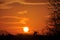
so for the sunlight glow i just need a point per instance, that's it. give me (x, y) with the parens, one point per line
(25, 29)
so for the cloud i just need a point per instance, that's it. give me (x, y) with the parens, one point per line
(5, 7)
(4, 3)
(13, 20)
(24, 20)
(23, 12)
(34, 3)
(10, 1)
(10, 17)
(10, 22)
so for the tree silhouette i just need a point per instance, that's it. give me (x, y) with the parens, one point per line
(54, 20)
(3, 32)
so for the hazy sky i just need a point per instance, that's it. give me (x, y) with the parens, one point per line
(16, 14)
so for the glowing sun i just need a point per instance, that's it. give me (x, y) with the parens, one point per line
(25, 29)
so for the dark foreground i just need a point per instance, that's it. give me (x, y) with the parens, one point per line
(29, 37)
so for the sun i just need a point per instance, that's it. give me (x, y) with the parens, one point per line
(25, 29)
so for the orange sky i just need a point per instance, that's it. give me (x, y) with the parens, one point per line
(15, 14)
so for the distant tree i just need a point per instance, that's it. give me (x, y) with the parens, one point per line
(3, 32)
(54, 21)
(35, 33)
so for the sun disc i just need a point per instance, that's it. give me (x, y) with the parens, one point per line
(25, 29)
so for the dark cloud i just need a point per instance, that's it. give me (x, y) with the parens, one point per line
(2, 1)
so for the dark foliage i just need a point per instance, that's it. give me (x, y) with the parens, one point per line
(54, 19)
(29, 37)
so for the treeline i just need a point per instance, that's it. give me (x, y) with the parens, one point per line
(35, 36)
